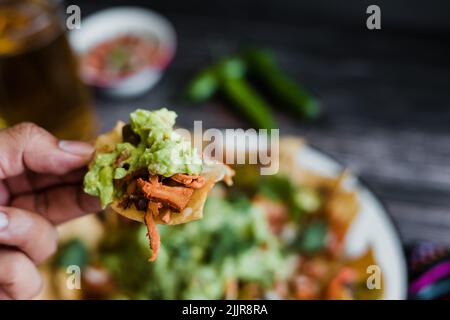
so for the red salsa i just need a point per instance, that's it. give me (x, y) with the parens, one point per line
(122, 56)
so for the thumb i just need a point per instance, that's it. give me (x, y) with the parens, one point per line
(27, 146)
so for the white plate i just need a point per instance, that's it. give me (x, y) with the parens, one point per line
(372, 226)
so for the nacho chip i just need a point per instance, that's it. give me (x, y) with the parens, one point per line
(213, 171)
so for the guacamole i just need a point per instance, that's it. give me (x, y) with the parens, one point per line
(232, 242)
(149, 142)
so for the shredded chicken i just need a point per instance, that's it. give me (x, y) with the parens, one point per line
(156, 198)
(175, 197)
(195, 182)
(152, 230)
(165, 215)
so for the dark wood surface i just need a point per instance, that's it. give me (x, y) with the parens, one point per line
(385, 96)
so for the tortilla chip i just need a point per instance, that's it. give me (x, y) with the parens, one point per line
(341, 206)
(360, 266)
(107, 142)
(213, 171)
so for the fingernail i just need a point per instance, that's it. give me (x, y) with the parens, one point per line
(76, 147)
(3, 220)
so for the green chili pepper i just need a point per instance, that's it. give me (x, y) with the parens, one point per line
(203, 86)
(231, 72)
(231, 68)
(206, 83)
(262, 65)
(249, 103)
(228, 76)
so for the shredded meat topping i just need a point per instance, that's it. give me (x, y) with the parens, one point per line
(174, 197)
(195, 182)
(165, 215)
(156, 199)
(152, 230)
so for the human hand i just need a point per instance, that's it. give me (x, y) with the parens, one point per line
(40, 186)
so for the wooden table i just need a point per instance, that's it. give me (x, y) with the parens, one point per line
(385, 96)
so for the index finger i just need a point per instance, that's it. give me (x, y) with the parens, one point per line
(27, 146)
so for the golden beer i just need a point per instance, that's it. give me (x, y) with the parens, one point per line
(39, 79)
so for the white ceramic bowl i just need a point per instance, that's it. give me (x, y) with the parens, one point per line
(110, 23)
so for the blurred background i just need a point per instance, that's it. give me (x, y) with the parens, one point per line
(384, 94)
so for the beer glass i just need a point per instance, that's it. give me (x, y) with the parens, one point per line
(39, 80)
